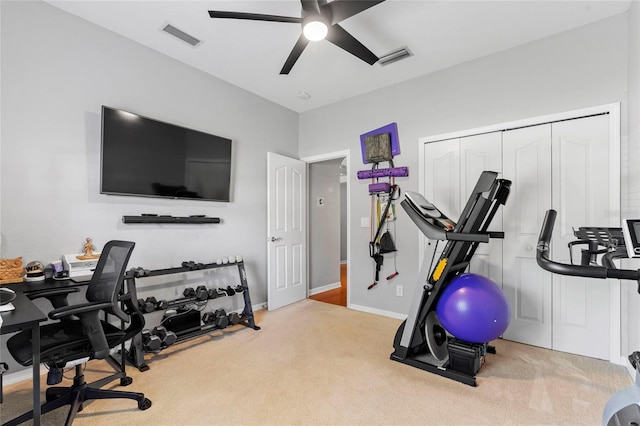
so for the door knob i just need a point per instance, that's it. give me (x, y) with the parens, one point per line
(274, 239)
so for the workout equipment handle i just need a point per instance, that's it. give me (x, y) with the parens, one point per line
(542, 257)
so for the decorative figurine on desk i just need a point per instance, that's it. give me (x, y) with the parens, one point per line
(87, 250)
(11, 270)
(35, 272)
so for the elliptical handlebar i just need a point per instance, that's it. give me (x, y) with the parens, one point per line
(589, 271)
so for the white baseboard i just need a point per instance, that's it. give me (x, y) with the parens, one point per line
(21, 375)
(258, 306)
(378, 312)
(313, 291)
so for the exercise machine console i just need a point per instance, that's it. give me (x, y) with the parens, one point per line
(611, 243)
(421, 341)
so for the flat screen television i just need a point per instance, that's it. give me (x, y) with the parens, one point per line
(149, 158)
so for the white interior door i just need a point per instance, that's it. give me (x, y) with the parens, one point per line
(581, 182)
(442, 176)
(287, 230)
(527, 164)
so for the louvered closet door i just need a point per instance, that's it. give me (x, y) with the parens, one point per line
(581, 175)
(527, 163)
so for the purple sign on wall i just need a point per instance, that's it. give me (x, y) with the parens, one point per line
(392, 130)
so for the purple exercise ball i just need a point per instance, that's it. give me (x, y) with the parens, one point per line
(474, 309)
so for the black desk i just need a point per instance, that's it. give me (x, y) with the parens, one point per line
(26, 315)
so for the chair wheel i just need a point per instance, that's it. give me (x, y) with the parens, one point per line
(143, 405)
(52, 394)
(126, 381)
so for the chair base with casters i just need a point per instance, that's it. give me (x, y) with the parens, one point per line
(80, 392)
(82, 333)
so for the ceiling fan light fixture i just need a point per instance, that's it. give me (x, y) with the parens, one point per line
(315, 28)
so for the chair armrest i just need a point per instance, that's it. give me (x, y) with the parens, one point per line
(79, 309)
(51, 292)
(56, 296)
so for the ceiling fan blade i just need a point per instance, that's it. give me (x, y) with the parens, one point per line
(295, 54)
(343, 9)
(310, 7)
(254, 17)
(341, 38)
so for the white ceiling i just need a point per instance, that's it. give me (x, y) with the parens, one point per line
(250, 54)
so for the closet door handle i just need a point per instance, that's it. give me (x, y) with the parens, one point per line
(274, 239)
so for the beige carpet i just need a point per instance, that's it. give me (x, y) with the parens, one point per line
(320, 364)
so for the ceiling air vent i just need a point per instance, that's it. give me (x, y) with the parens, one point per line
(191, 40)
(395, 56)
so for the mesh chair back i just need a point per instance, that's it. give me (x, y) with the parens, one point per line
(108, 276)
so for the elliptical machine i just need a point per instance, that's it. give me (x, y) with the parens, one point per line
(612, 243)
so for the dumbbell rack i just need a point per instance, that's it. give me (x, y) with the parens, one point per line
(136, 351)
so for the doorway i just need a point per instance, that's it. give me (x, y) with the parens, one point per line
(328, 243)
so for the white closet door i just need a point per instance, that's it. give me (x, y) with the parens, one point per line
(527, 163)
(442, 176)
(581, 182)
(477, 154)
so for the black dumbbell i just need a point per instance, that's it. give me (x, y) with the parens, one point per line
(150, 342)
(216, 292)
(139, 272)
(234, 318)
(201, 293)
(209, 318)
(229, 291)
(221, 319)
(161, 305)
(145, 306)
(167, 337)
(157, 304)
(239, 288)
(189, 292)
(192, 265)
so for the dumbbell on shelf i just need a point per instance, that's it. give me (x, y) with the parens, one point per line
(151, 304)
(139, 272)
(234, 318)
(200, 293)
(167, 337)
(192, 265)
(150, 342)
(228, 260)
(146, 306)
(218, 318)
(161, 305)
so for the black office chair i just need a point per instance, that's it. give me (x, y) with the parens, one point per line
(83, 333)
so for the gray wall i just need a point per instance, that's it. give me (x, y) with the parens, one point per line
(630, 169)
(576, 69)
(324, 223)
(57, 71)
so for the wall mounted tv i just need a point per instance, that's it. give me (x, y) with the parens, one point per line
(149, 158)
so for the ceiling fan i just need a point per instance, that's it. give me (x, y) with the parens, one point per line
(319, 20)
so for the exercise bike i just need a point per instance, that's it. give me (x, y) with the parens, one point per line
(611, 243)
